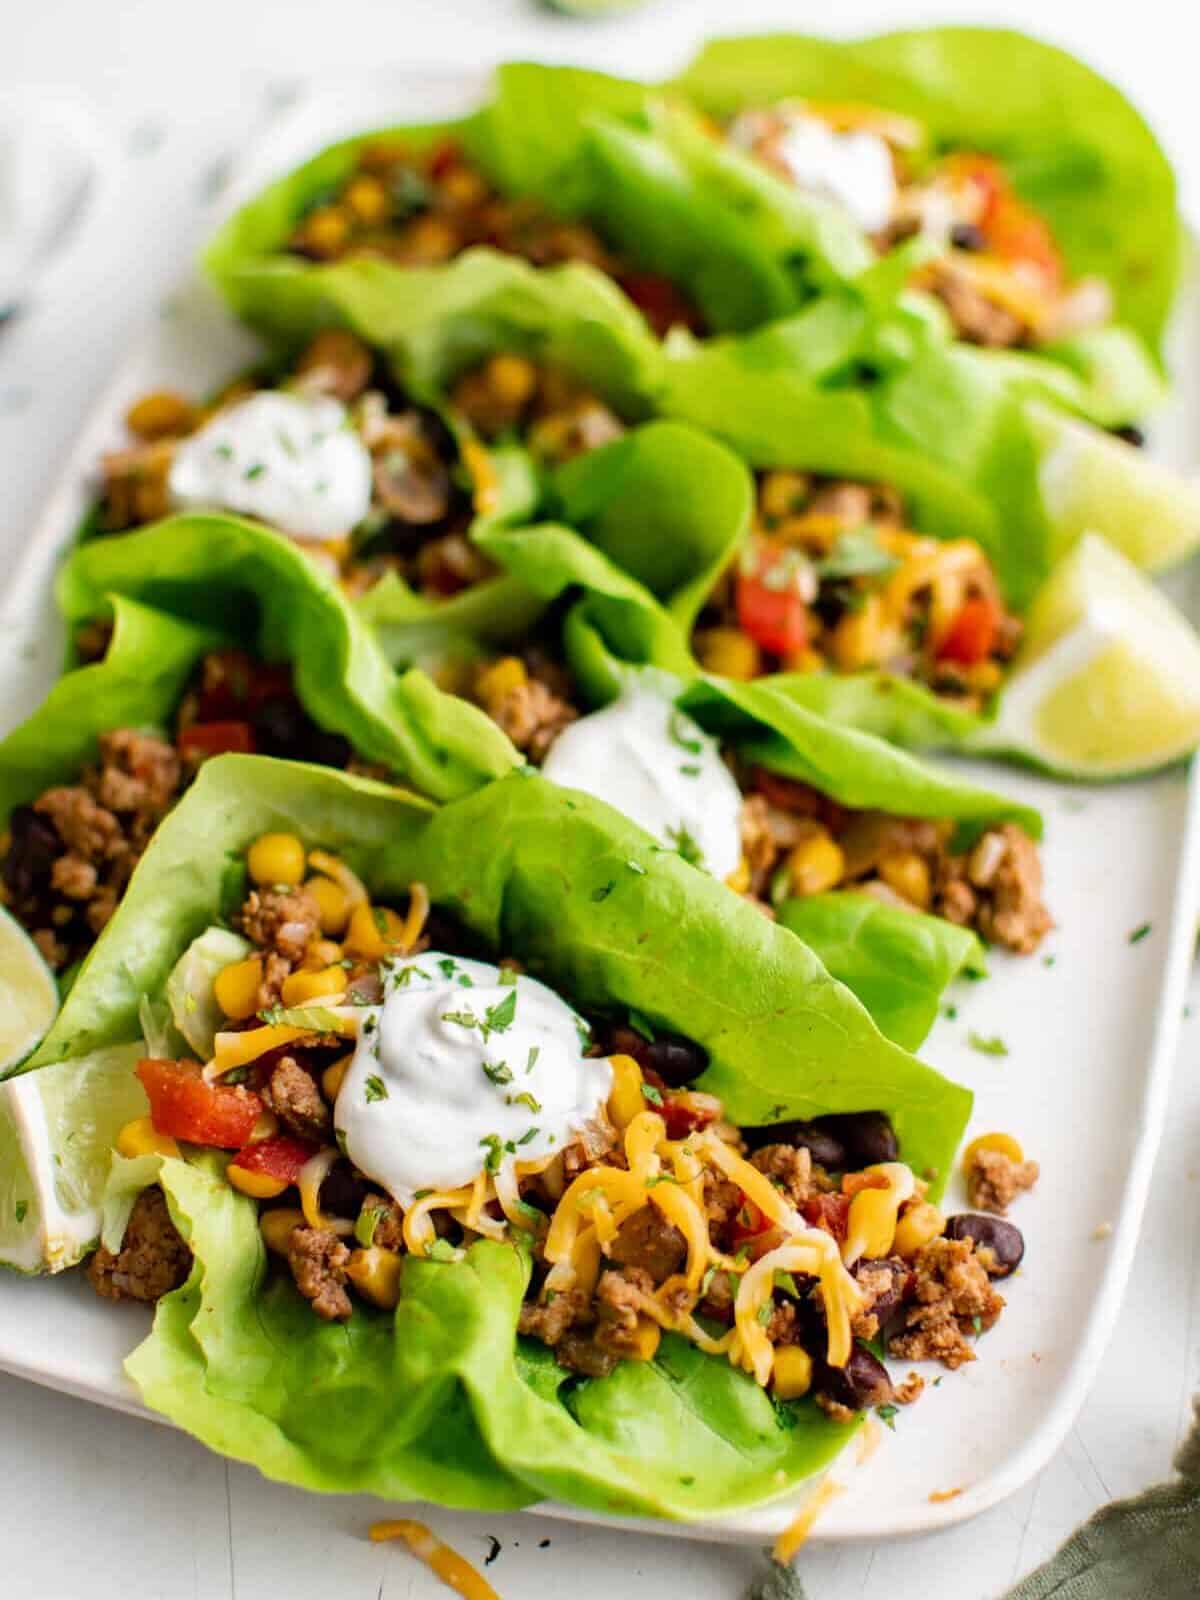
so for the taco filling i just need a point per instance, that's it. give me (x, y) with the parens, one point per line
(332, 453)
(385, 1094)
(421, 208)
(68, 855)
(998, 269)
(768, 836)
(831, 578)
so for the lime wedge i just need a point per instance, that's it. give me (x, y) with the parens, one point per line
(1093, 482)
(57, 1130)
(1107, 682)
(28, 993)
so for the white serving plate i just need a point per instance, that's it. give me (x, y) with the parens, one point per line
(1091, 1038)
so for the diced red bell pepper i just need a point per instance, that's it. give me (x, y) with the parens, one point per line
(770, 607)
(663, 305)
(971, 637)
(748, 1222)
(683, 1115)
(279, 1157)
(828, 1211)
(203, 739)
(1011, 229)
(186, 1106)
(444, 158)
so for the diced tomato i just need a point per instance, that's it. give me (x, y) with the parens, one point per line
(770, 607)
(748, 1222)
(444, 158)
(855, 1182)
(688, 1113)
(225, 685)
(971, 637)
(203, 739)
(185, 1105)
(1011, 229)
(663, 305)
(278, 1157)
(827, 1211)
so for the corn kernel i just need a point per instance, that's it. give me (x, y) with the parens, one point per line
(916, 1227)
(791, 1372)
(236, 988)
(870, 1225)
(325, 231)
(625, 1099)
(374, 931)
(860, 638)
(908, 874)
(366, 199)
(278, 1226)
(783, 494)
(332, 902)
(816, 864)
(462, 186)
(321, 953)
(513, 379)
(276, 858)
(160, 414)
(500, 679)
(644, 1344)
(375, 1273)
(331, 1078)
(300, 987)
(739, 879)
(729, 653)
(1001, 1143)
(141, 1138)
(258, 1185)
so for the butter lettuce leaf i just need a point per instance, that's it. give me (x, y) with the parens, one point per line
(222, 571)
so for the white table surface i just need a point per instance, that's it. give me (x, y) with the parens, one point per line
(105, 1507)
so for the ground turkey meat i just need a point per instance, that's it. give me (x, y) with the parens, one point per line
(152, 1260)
(388, 1229)
(995, 1180)
(952, 1297)
(976, 318)
(997, 888)
(318, 1260)
(551, 1319)
(646, 1240)
(292, 1094)
(282, 922)
(882, 1283)
(789, 1168)
(71, 853)
(532, 716)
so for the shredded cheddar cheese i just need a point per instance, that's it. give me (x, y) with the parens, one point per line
(454, 1570)
(797, 1531)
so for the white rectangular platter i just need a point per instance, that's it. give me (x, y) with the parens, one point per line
(1090, 1025)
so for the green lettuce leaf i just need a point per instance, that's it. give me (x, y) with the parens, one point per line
(1077, 150)
(137, 684)
(223, 571)
(898, 962)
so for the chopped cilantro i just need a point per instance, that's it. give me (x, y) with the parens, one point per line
(887, 1415)
(531, 1060)
(494, 1146)
(1140, 933)
(422, 1194)
(447, 966)
(223, 452)
(764, 1312)
(379, 917)
(951, 1013)
(786, 1284)
(22, 1210)
(527, 1100)
(652, 1094)
(1048, 961)
(375, 1089)
(528, 1136)
(497, 1071)
(368, 1221)
(977, 1324)
(256, 470)
(508, 977)
(405, 976)
(857, 554)
(689, 769)
(994, 1046)
(678, 726)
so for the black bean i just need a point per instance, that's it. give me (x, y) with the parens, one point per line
(998, 1244)
(826, 1149)
(966, 236)
(886, 1305)
(862, 1382)
(343, 1191)
(1131, 434)
(34, 846)
(676, 1060)
(868, 1137)
(284, 729)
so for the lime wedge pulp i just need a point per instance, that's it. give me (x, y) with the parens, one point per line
(1107, 682)
(58, 1126)
(1093, 482)
(28, 993)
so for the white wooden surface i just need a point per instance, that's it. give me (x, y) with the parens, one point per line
(101, 1506)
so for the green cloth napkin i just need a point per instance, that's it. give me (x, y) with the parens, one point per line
(1147, 1548)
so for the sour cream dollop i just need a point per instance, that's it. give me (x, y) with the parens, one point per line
(854, 168)
(653, 762)
(293, 461)
(459, 1072)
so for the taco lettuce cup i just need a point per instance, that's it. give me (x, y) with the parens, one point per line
(491, 1248)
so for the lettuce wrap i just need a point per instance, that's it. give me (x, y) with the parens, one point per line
(222, 571)
(441, 1400)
